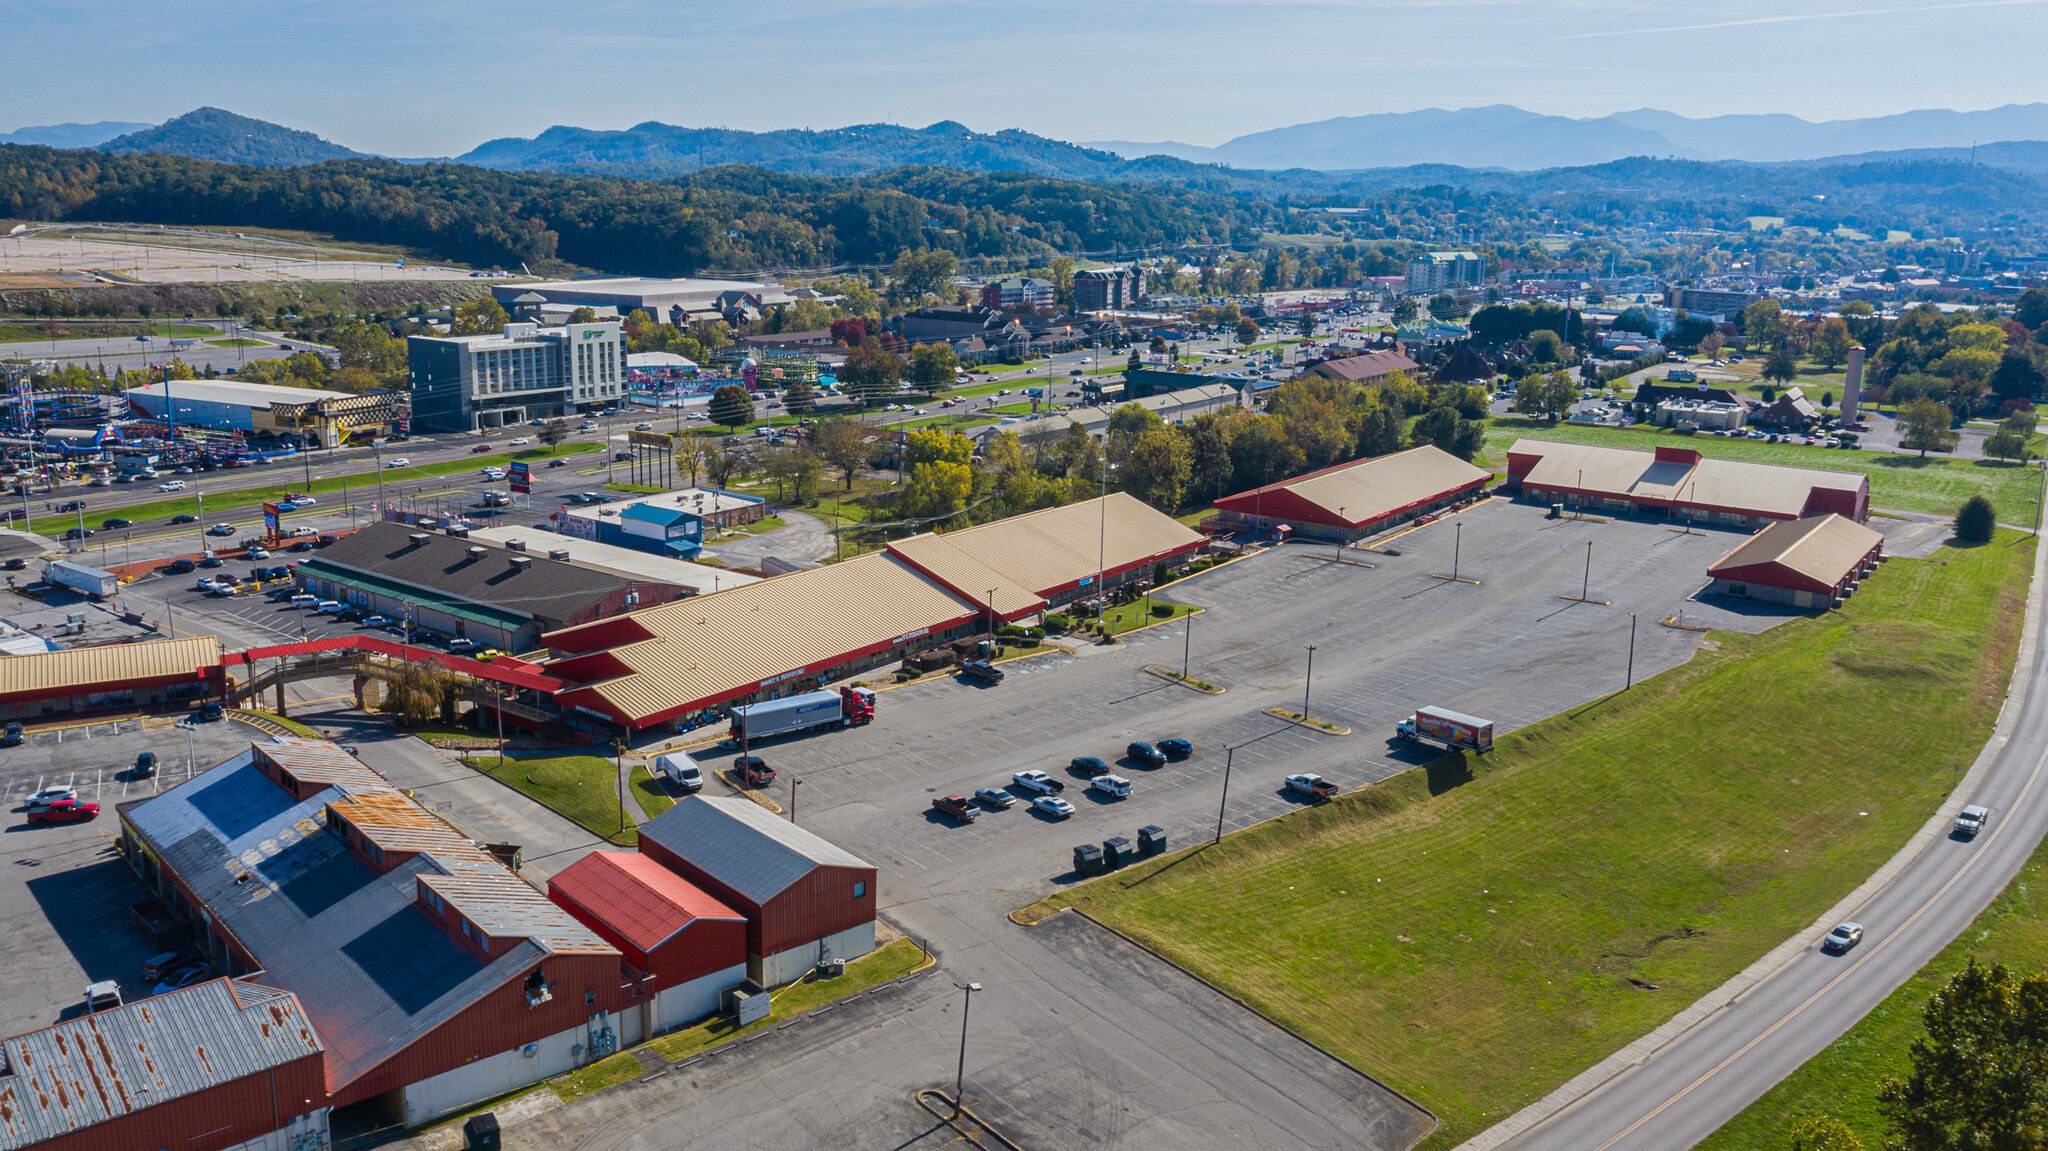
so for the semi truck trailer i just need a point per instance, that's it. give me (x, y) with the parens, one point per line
(1455, 730)
(845, 707)
(81, 578)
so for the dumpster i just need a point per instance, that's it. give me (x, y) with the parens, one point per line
(482, 1131)
(1088, 859)
(1116, 851)
(1151, 840)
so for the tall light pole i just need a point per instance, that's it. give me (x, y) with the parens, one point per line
(1229, 753)
(1341, 522)
(1457, 548)
(960, 1073)
(795, 781)
(1586, 581)
(1187, 643)
(1305, 680)
(1631, 652)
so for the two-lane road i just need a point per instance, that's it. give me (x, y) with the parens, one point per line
(1707, 1075)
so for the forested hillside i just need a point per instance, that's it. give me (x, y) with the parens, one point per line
(722, 219)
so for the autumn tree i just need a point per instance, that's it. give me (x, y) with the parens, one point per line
(844, 444)
(731, 405)
(1978, 1079)
(1831, 343)
(1924, 426)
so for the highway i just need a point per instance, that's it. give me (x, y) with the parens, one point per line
(1705, 1076)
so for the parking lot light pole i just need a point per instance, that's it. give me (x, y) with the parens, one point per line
(1229, 753)
(960, 1072)
(1631, 652)
(1586, 581)
(795, 781)
(1306, 679)
(1457, 547)
(1340, 539)
(1187, 643)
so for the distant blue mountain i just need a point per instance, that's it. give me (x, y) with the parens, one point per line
(72, 135)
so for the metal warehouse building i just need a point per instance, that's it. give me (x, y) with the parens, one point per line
(313, 416)
(151, 674)
(224, 1064)
(431, 974)
(1358, 498)
(1815, 562)
(797, 632)
(1683, 484)
(806, 901)
(688, 945)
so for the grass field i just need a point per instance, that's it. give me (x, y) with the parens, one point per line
(28, 333)
(1842, 1080)
(1907, 483)
(650, 793)
(238, 342)
(900, 957)
(584, 788)
(285, 477)
(1134, 615)
(1475, 932)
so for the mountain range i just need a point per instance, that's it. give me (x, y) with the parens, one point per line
(72, 135)
(1503, 136)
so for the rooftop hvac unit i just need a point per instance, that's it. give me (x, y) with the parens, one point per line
(520, 563)
(460, 533)
(477, 553)
(515, 545)
(559, 554)
(419, 538)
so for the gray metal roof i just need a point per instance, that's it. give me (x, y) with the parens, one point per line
(739, 843)
(99, 1067)
(534, 586)
(372, 971)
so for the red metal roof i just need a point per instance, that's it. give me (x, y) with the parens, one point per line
(637, 897)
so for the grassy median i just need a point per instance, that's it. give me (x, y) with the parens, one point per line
(1842, 1080)
(1475, 932)
(583, 788)
(1936, 484)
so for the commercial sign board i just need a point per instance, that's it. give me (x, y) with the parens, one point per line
(583, 528)
(660, 440)
(521, 478)
(270, 522)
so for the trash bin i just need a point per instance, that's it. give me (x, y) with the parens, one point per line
(1088, 859)
(1116, 851)
(482, 1131)
(1556, 511)
(1151, 840)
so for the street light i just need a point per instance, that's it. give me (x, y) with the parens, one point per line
(960, 1073)
(1229, 753)
(795, 781)
(1306, 679)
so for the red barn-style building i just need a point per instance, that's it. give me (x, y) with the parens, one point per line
(690, 946)
(1359, 498)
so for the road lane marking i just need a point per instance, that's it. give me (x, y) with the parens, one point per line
(2018, 802)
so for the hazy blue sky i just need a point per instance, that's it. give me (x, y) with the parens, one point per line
(430, 77)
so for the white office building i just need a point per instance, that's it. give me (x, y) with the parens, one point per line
(460, 383)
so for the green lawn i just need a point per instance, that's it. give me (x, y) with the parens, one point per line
(650, 793)
(289, 477)
(20, 333)
(580, 787)
(1134, 615)
(897, 958)
(1907, 483)
(1842, 1080)
(238, 342)
(1475, 932)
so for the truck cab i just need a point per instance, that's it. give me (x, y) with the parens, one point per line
(754, 770)
(982, 671)
(956, 806)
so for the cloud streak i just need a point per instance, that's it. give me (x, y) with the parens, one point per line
(1804, 17)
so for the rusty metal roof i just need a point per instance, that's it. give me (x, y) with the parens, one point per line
(110, 664)
(100, 1067)
(317, 761)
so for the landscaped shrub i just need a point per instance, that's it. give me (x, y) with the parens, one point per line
(1976, 522)
(1162, 610)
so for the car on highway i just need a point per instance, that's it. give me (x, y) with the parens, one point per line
(400, 462)
(1053, 805)
(185, 518)
(517, 442)
(16, 563)
(116, 522)
(1037, 781)
(99, 482)
(1175, 748)
(1145, 753)
(71, 506)
(1088, 765)
(64, 811)
(622, 455)
(587, 426)
(50, 795)
(1971, 820)
(1842, 938)
(994, 797)
(643, 427)
(171, 486)
(221, 530)
(77, 533)
(481, 448)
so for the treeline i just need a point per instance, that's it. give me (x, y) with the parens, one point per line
(724, 218)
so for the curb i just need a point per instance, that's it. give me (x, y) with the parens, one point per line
(1774, 961)
(725, 777)
(1313, 725)
(1174, 676)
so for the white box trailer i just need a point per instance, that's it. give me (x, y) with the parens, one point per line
(79, 577)
(1455, 730)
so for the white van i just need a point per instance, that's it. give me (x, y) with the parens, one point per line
(680, 770)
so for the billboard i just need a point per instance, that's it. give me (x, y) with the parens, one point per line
(659, 440)
(521, 478)
(270, 522)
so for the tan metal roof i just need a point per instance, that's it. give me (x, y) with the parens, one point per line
(1624, 472)
(1822, 548)
(1045, 551)
(1368, 490)
(1614, 471)
(1764, 487)
(711, 645)
(936, 555)
(109, 666)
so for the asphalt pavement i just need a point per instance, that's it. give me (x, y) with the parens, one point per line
(1710, 1071)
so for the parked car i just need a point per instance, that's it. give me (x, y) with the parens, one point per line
(1088, 765)
(1037, 781)
(1053, 805)
(145, 765)
(461, 644)
(376, 621)
(1114, 786)
(753, 769)
(325, 538)
(183, 977)
(158, 966)
(64, 811)
(258, 553)
(1146, 754)
(994, 797)
(957, 807)
(301, 546)
(210, 560)
(1176, 748)
(50, 795)
(211, 710)
(1842, 938)
(221, 530)
(11, 735)
(102, 996)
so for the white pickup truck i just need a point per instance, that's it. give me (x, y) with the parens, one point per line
(1037, 781)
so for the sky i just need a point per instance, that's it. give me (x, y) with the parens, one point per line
(436, 78)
